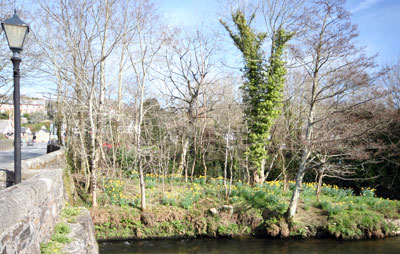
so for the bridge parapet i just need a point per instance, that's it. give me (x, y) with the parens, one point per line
(29, 212)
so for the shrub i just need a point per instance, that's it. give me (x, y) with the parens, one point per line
(200, 180)
(367, 192)
(114, 190)
(150, 184)
(60, 237)
(169, 198)
(190, 198)
(332, 208)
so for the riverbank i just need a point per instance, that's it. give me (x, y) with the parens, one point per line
(198, 209)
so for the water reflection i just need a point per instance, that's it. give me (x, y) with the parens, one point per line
(252, 246)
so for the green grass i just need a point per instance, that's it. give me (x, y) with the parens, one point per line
(57, 241)
(70, 213)
(61, 231)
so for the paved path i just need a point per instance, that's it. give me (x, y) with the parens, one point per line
(27, 152)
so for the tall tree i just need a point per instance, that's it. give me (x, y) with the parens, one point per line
(142, 54)
(190, 63)
(335, 73)
(262, 90)
(80, 43)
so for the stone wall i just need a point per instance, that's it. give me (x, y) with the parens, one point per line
(29, 167)
(54, 159)
(82, 235)
(29, 212)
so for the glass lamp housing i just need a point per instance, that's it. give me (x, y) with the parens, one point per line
(16, 31)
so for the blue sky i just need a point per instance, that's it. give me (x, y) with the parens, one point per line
(378, 21)
(379, 25)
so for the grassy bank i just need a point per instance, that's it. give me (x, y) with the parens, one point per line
(199, 208)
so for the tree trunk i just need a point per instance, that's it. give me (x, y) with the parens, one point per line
(259, 174)
(297, 189)
(93, 150)
(231, 176)
(225, 167)
(182, 163)
(284, 173)
(59, 110)
(271, 165)
(302, 168)
(194, 155)
(142, 187)
(203, 159)
(139, 152)
(320, 176)
(247, 169)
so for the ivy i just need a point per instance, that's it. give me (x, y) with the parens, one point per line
(264, 81)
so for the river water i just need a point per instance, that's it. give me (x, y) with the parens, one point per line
(252, 246)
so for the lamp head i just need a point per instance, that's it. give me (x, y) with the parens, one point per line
(16, 31)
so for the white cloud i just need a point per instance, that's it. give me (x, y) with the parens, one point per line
(364, 5)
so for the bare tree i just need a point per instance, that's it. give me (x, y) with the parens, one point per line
(80, 44)
(142, 50)
(392, 83)
(336, 70)
(189, 75)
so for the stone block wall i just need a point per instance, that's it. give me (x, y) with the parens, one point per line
(82, 235)
(30, 166)
(29, 212)
(50, 160)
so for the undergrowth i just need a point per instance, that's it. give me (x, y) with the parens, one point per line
(349, 216)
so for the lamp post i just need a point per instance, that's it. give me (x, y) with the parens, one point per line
(16, 31)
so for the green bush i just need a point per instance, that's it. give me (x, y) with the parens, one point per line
(150, 183)
(4, 116)
(332, 208)
(169, 198)
(367, 192)
(35, 127)
(188, 200)
(114, 190)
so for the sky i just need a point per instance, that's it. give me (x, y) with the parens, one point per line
(378, 21)
(379, 27)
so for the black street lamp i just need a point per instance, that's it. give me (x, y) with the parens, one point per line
(16, 31)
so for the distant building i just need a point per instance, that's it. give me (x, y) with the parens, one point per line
(26, 134)
(7, 127)
(27, 105)
(42, 135)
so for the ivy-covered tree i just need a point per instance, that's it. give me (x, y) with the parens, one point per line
(262, 89)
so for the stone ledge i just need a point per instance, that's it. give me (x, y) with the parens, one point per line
(43, 161)
(82, 235)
